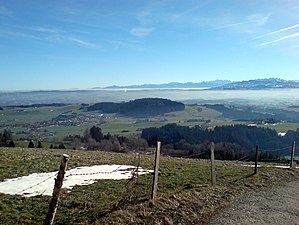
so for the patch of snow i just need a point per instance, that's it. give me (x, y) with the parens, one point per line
(249, 165)
(43, 183)
(252, 125)
(282, 134)
(270, 166)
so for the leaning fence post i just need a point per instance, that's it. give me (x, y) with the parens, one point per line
(56, 192)
(256, 158)
(137, 167)
(213, 173)
(156, 172)
(292, 164)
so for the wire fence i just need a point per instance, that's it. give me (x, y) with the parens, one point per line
(133, 173)
(275, 150)
(197, 155)
(94, 173)
(248, 156)
(245, 157)
(135, 169)
(264, 154)
(39, 183)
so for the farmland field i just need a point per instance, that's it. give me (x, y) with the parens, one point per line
(51, 124)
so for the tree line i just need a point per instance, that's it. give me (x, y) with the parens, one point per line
(231, 142)
(95, 139)
(6, 140)
(92, 139)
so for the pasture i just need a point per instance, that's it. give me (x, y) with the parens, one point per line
(184, 191)
(51, 124)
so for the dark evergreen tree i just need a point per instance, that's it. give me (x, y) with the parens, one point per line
(61, 146)
(31, 144)
(107, 136)
(10, 144)
(39, 145)
(5, 137)
(96, 133)
(51, 146)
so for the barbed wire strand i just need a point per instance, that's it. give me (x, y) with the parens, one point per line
(32, 186)
(134, 174)
(275, 150)
(93, 173)
(244, 157)
(275, 159)
(200, 154)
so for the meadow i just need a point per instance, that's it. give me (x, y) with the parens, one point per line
(185, 194)
(52, 124)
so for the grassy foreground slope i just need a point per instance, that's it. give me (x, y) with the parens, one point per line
(184, 195)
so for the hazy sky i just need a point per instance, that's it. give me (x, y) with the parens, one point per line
(62, 44)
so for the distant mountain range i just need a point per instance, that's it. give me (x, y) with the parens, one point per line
(261, 84)
(204, 84)
(218, 84)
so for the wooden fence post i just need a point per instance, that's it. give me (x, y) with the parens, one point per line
(292, 164)
(213, 173)
(156, 173)
(56, 192)
(256, 158)
(138, 165)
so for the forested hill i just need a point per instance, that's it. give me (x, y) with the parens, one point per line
(144, 107)
(235, 138)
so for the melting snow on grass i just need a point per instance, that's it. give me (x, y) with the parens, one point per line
(271, 166)
(43, 183)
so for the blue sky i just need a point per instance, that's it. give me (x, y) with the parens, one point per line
(84, 44)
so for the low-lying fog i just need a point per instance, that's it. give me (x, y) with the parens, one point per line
(268, 96)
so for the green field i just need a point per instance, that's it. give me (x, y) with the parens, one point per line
(37, 123)
(30, 115)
